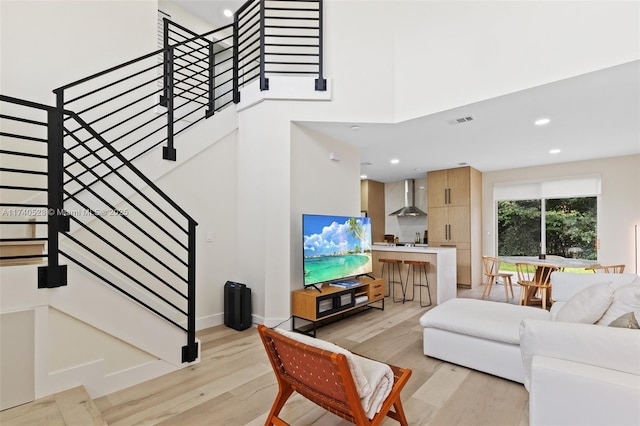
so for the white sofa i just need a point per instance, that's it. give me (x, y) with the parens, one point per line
(574, 371)
(583, 374)
(478, 334)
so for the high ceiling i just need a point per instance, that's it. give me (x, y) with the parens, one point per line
(593, 115)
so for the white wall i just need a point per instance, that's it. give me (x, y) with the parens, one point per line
(284, 171)
(402, 60)
(47, 44)
(452, 53)
(184, 18)
(319, 185)
(206, 188)
(618, 207)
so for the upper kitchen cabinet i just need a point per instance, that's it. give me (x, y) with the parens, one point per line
(452, 187)
(455, 218)
(372, 202)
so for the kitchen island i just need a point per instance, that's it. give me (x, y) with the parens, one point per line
(442, 267)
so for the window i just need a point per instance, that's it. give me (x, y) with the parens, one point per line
(552, 217)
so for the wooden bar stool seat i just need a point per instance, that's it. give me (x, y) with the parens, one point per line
(392, 266)
(419, 267)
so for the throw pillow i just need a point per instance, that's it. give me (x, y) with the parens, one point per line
(625, 299)
(627, 320)
(587, 306)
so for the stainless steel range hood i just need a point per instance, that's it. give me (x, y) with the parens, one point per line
(409, 208)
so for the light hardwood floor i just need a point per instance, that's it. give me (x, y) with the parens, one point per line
(234, 385)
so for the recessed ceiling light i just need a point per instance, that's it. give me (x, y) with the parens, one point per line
(355, 127)
(363, 176)
(542, 121)
(395, 161)
(554, 151)
(418, 169)
(228, 13)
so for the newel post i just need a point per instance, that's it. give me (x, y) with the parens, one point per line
(53, 274)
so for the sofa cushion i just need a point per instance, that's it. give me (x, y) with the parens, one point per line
(627, 320)
(587, 306)
(496, 321)
(625, 299)
(566, 284)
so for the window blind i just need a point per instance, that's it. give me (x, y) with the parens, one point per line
(587, 186)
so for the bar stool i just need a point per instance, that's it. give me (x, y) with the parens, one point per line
(393, 267)
(420, 267)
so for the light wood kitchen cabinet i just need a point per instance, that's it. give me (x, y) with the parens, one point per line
(451, 187)
(454, 218)
(372, 202)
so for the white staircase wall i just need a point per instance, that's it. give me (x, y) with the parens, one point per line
(60, 358)
(154, 346)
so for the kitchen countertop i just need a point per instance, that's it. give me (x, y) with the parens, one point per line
(418, 248)
(442, 259)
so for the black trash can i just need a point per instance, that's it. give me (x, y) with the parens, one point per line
(237, 306)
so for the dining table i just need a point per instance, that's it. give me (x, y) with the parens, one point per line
(558, 261)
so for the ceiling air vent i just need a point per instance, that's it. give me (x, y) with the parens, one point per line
(462, 120)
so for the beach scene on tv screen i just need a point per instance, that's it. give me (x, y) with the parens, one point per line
(335, 247)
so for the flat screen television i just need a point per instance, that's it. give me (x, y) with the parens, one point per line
(335, 247)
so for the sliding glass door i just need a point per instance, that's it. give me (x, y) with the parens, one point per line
(519, 227)
(556, 226)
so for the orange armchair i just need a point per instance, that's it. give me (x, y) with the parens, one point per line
(325, 378)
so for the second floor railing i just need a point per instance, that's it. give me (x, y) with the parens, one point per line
(278, 37)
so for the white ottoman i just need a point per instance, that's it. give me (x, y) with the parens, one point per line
(478, 334)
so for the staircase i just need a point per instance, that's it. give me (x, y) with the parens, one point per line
(119, 253)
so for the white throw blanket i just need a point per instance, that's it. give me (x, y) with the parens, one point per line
(373, 379)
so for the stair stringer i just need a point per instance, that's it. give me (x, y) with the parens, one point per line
(86, 299)
(91, 301)
(139, 328)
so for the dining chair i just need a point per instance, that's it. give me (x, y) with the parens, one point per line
(492, 274)
(535, 278)
(608, 269)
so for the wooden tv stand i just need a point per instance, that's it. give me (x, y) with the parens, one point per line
(314, 306)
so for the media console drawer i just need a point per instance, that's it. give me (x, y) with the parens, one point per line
(312, 305)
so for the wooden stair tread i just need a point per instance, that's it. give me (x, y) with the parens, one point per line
(71, 407)
(21, 248)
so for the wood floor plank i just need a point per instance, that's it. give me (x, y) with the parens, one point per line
(77, 408)
(481, 399)
(43, 412)
(233, 383)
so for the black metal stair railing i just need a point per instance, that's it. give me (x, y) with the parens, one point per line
(101, 212)
(142, 245)
(146, 102)
(145, 242)
(23, 175)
